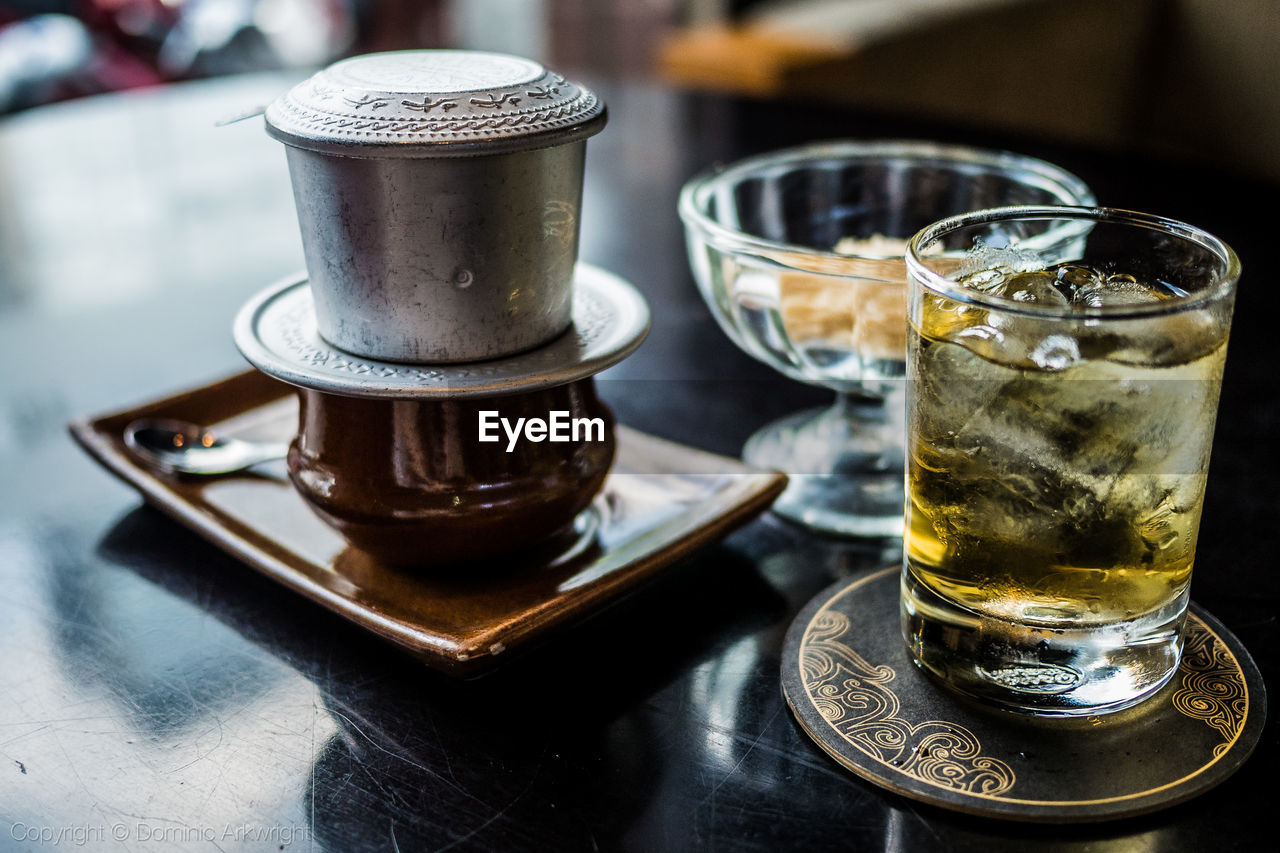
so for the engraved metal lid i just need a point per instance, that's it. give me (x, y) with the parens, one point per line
(433, 103)
(276, 332)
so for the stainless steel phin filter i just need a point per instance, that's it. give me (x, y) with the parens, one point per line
(438, 194)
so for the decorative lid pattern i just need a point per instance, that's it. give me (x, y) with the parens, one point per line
(434, 103)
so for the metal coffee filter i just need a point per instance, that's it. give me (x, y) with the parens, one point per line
(438, 195)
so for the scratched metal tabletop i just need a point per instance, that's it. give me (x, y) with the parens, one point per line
(156, 694)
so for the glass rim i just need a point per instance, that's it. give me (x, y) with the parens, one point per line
(919, 272)
(693, 195)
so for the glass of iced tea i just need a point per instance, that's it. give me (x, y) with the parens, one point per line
(1064, 367)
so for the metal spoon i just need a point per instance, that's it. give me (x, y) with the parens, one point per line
(185, 448)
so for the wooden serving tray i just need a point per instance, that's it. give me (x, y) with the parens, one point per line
(662, 501)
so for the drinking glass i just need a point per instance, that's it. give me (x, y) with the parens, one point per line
(1064, 367)
(798, 253)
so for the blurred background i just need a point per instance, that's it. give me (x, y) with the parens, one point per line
(1192, 79)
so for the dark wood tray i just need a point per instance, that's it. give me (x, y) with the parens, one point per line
(662, 501)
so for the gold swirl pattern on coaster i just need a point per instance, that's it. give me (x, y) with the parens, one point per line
(854, 698)
(1213, 688)
(847, 677)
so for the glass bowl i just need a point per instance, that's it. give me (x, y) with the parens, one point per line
(798, 253)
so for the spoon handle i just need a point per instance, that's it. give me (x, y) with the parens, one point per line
(176, 447)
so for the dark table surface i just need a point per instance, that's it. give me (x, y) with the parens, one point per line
(158, 694)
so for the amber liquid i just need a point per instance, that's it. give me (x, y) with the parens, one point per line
(1072, 496)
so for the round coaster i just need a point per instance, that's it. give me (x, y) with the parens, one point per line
(849, 679)
(276, 332)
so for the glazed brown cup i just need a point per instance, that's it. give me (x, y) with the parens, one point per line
(410, 483)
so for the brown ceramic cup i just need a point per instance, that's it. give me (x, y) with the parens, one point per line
(410, 483)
